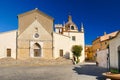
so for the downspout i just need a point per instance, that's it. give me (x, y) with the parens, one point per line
(108, 58)
(52, 41)
(16, 44)
(52, 45)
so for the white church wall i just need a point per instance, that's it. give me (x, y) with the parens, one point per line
(8, 41)
(79, 40)
(60, 42)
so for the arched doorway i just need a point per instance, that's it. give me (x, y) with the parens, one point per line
(37, 50)
(119, 58)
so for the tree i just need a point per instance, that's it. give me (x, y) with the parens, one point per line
(76, 50)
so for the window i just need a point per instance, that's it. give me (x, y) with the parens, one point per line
(97, 49)
(36, 35)
(73, 38)
(36, 29)
(105, 43)
(8, 52)
(72, 27)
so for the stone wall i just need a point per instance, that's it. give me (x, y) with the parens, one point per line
(102, 58)
(31, 23)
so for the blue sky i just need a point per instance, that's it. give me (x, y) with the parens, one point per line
(98, 16)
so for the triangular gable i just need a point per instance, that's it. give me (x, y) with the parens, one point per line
(31, 30)
(27, 18)
(35, 10)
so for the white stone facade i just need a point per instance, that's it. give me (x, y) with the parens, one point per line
(8, 41)
(65, 37)
(60, 42)
(64, 42)
(79, 40)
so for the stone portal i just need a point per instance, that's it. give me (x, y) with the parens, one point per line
(37, 50)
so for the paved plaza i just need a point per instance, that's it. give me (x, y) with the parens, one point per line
(86, 71)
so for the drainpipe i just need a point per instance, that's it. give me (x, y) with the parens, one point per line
(16, 43)
(52, 45)
(108, 58)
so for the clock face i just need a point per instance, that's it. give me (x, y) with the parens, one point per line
(36, 35)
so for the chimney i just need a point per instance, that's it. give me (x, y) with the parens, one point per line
(105, 33)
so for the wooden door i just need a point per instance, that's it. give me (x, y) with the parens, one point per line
(61, 53)
(8, 52)
(119, 61)
(36, 52)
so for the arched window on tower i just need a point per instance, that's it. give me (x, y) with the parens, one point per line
(72, 27)
(68, 28)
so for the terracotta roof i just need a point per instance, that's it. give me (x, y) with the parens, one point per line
(108, 36)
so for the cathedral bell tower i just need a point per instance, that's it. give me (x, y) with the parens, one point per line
(70, 26)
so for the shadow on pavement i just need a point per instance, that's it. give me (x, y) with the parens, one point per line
(91, 70)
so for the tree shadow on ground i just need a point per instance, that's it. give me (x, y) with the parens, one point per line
(91, 70)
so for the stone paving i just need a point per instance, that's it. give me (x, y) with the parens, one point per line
(85, 71)
(88, 71)
(36, 73)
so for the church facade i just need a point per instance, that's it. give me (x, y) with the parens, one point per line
(36, 38)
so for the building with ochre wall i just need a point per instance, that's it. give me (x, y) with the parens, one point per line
(102, 42)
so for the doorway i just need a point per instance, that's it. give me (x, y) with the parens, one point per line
(37, 50)
(119, 58)
(8, 52)
(61, 52)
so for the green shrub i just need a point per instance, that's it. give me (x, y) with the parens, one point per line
(114, 71)
(76, 50)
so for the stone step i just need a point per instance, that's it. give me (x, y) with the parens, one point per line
(36, 61)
